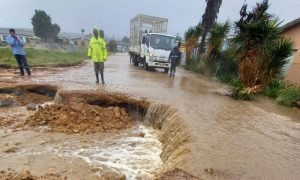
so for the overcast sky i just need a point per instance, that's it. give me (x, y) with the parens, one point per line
(114, 15)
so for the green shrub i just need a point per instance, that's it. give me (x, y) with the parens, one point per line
(288, 96)
(196, 65)
(273, 88)
(239, 92)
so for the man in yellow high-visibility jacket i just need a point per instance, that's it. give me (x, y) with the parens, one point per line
(98, 53)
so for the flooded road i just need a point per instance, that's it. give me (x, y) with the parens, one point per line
(230, 139)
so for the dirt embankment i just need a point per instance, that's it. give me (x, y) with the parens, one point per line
(87, 112)
(76, 117)
(104, 99)
(177, 174)
(22, 95)
(26, 175)
(26, 98)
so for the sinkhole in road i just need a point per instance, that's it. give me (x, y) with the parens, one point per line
(115, 135)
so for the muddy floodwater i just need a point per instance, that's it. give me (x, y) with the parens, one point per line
(228, 139)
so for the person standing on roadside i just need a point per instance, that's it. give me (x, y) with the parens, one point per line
(98, 53)
(175, 57)
(17, 45)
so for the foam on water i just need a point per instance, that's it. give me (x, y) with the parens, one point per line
(133, 153)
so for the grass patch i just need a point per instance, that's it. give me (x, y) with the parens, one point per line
(273, 89)
(43, 57)
(288, 96)
(285, 94)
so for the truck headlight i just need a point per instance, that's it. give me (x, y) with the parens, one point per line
(151, 57)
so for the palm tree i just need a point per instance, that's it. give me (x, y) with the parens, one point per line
(191, 37)
(216, 39)
(261, 49)
(208, 19)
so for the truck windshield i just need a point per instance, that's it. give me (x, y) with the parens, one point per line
(162, 42)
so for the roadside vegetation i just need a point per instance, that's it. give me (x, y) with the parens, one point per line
(250, 58)
(43, 57)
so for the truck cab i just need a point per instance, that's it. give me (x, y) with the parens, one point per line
(155, 50)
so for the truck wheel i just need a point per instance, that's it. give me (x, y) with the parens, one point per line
(166, 70)
(146, 66)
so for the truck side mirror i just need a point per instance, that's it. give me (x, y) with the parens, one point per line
(144, 40)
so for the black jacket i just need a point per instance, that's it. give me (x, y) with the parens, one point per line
(175, 55)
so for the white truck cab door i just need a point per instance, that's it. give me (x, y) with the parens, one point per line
(145, 45)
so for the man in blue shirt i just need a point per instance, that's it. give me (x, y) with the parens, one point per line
(17, 45)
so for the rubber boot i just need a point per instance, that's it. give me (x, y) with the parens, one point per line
(97, 78)
(102, 78)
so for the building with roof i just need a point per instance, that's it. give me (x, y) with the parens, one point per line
(74, 38)
(122, 47)
(26, 34)
(291, 31)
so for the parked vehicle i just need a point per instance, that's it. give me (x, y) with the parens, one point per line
(150, 46)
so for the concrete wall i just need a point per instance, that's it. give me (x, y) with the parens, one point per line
(293, 74)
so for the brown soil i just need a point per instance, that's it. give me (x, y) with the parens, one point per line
(177, 174)
(26, 98)
(77, 117)
(26, 175)
(8, 121)
(105, 99)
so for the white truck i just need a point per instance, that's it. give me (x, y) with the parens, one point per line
(150, 46)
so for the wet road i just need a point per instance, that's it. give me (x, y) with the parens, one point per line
(237, 140)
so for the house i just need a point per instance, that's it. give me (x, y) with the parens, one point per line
(122, 47)
(74, 38)
(292, 31)
(64, 38)
(26, 34)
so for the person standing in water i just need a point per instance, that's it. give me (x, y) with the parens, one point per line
(98, 53)
(17, 45)
(175, 57)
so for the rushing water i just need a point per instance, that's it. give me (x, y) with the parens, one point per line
(133, 153)
(126, 153)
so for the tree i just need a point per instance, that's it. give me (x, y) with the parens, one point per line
(82, 31)
(101, 32)
(178, 37)
(261, 48)
(112, 46)
(191, 37)
(216, 39)
(55, 29)
(43, 27)
(208, 19)
(125, 39)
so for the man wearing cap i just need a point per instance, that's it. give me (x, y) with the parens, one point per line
(98, 53)
(17, 45)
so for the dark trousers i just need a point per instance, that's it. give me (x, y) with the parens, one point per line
(99, 68)
(173, 67)
(22, 63)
